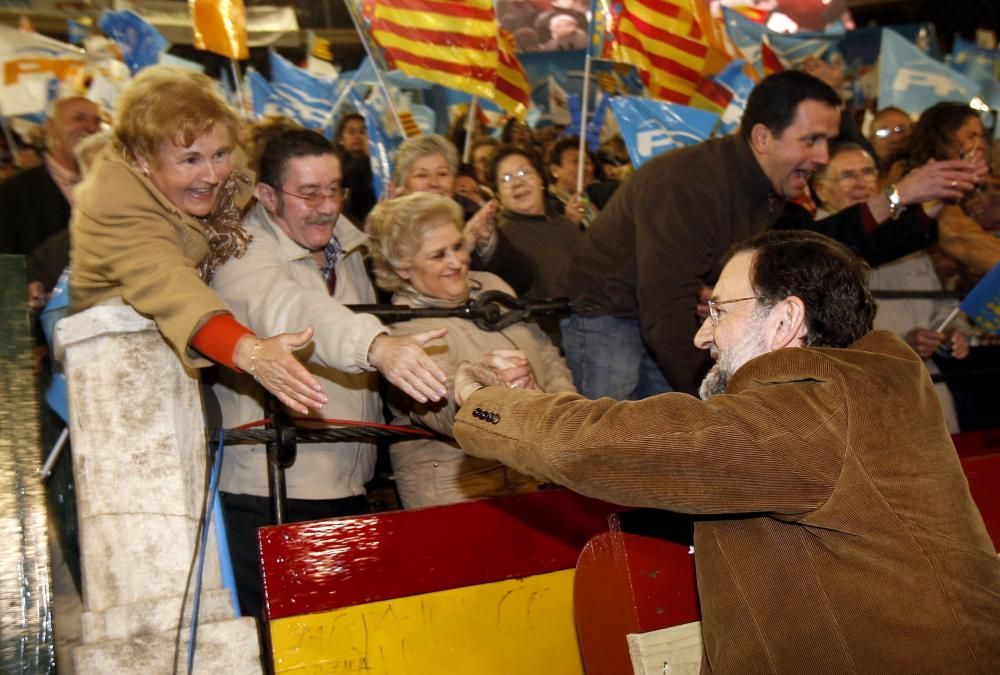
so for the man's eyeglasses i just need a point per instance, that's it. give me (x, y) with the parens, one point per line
(868, 173)
(316, 198)
(524, 172)
(713, 306)
(886, 132)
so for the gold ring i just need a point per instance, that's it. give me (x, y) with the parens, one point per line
(954, 184)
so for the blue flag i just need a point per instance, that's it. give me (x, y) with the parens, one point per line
(652, 127)
(975, 62)
(260, 91)
(913, 81)
(794, 48)
(982, 305)
(139, 42)
(305, 98)
(379, 145)
(76, 32)
(735, 80)
(746, 35)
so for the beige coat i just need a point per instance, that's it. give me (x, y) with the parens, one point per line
(434, 472)
(276, 287)
(844, 538)
(129, 241)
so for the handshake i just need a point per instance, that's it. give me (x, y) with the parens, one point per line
(499, 368)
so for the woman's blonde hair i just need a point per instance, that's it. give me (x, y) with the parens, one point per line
(397, 227)
(414, 148)
(164, 103)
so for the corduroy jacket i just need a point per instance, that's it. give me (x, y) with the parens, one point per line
(844, 538)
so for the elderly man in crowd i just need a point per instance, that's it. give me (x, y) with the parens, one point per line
(851, 178)
(36, 203)
(306, 261)
(842, 536)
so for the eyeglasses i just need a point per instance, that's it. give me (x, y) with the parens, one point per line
(886, 132)
(316, 198)
(524, 172)
(868, 173)
(713, 306)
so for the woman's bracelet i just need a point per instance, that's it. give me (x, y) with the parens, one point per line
(253, 359)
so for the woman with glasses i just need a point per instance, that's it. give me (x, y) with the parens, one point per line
(159, 211)
(546, 238)
(419, 255)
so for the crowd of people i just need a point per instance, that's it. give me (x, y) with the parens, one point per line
(245, 244)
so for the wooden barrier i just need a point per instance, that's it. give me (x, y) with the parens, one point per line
(489, 587)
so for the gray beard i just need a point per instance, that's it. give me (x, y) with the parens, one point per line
(728, 363)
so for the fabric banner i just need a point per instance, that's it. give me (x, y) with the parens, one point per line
(30, 61)
(982, 305)
(913, 81)
(734, 79)
(140, 44)
(220, 26)
(306, 99)
(380, 146)
(653, 127)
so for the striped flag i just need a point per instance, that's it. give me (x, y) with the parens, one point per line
(663, 40)
(451, 42)
(513, 91)
(220, 26)
(410, 126)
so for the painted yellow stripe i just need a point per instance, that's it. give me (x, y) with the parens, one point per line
(522, 626)
(473, 57)
(432, 21)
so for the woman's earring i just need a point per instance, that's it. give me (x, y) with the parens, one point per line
(145, 171)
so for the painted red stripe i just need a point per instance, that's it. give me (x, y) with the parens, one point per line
(452, 9)
(436, 38)
(462, 70)
(340, 562)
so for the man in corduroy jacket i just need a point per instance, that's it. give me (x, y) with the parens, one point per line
(843, 537)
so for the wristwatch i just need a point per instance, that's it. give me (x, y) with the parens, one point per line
(895, 202)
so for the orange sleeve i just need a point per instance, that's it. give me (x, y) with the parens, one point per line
(217, 339)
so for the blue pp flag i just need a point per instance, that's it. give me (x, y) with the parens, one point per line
(305, 98)
(734, 79)
(379, 144)
(652, 127)
(746, 35)
(982, 305)
(139, 42)
(260, 92)
(974, 62)
(913, 81)
(794, 48)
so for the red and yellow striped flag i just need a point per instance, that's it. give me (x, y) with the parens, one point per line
(451, 42)
(220, 26)
(410, 126)
(513, 91)
(663, 40)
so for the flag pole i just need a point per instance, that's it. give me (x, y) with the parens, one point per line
(584, 104)
(467, 148)
(948, 319)
(351, 9)
(238, 86)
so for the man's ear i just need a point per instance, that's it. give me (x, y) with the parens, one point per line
(267, 196)
(760, 139)
(790, 328)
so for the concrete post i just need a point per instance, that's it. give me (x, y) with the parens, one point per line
(140, 462)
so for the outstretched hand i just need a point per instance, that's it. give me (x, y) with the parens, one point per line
(270, 362)
(945, 180)
(471, 377)
(511, 366)
(403, 361)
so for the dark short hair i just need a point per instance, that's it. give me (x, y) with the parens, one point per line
(505, 151)
(339, 131)
(288, 145)
(935, 130)
(776, 98)
(828, 277)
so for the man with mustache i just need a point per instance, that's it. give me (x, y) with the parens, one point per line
(306, 261)
(839, 533)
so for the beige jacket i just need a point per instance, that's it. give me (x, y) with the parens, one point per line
(128, 241)
(843, 538)
(276, 287)
(434, 472)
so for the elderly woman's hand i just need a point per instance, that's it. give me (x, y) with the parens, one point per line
(470, 378)
(481, 230)
(270, 362)
(512, 368)
(403, 361)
